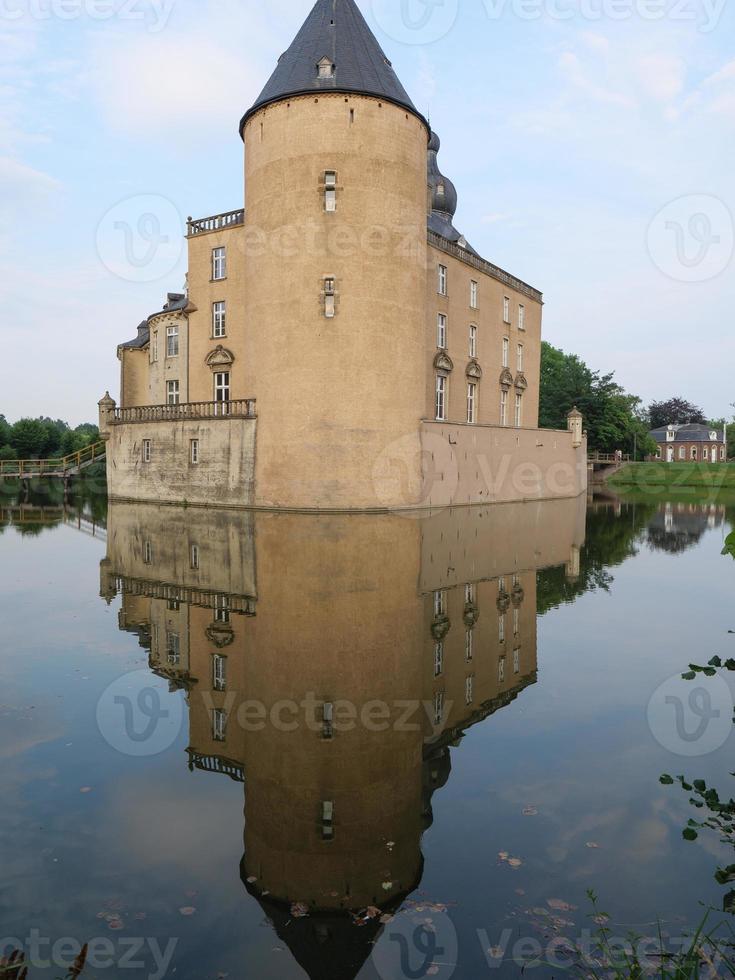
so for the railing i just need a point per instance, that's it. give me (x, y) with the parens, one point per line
(216, 222)
(65, 466)
(215, 763)
(610, 458)
(242, 408)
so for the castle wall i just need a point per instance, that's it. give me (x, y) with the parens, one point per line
(223, 476)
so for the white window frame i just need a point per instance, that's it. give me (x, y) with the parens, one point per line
(173, 648)
(154, 347)
(438, 658)
(501, 627)
(441, 331)
(471, 403)
(219, 725)
(219, 263)
(506, 309)
(441, 398)
(469, 646)
(147, 553)
(473, 340)
(521, 353)
(503, 407)
(501, 670)
(330, 191)
(682, 452)
(519, 411)
(219, 319)
(506, 352)
(516, 621)
(694, 452)
(194, 556)
(219, 672)
(517, 661)
(222, 387)
(172, 342)
(474, 292)
(469, 689)
(173, 392)
(194, 456)
(521, 317)
(723, 454)
(440, 604)
(147, 450)
(438, 707)
(443, 280)
(470, 592)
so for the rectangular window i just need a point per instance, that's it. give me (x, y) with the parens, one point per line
(682, 452)
(172, 342)
(329, 294)
(147, 553)
(468, 645)
(516, 661)
(328, 820)
(471, 403)
(473, 294)
(519, 411)
(470, 594)
(173, 605)
(219, 672)
(441, 331)
(219, 263)
(473, 341)
(147, 450)
(469, 689)
(501, 670)
(520, 357)
(222, 609)
(503, 407)
(154, 347)
(222, 390)
(330, 190)
(219, 319)
(219, 724)
(328, 720)
(438, 659)
(194, 556)
(442, 285)
(506, 309)
(172, 392)
(521, 317)
(441, 398)
(506, 352)
(516, 621)
(173, 649)
(501, 628)
(694, 452)
(194, 447)
(440, 604)
(438, 707)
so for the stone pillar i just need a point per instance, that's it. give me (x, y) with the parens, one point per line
(107, 406)
(574, 424)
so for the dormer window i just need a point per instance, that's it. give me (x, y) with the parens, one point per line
(670, 435)
(713, 436)
(326, 68)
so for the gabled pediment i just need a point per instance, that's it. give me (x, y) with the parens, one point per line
(506, 378)
(474, 371)
(521, 383)
(220, 357)
(443, 362)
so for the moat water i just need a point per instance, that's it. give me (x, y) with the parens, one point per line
(278, 746)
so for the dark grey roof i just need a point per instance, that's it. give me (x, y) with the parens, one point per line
(336, 30)
(174, 302)
(687, 433)
(443, 199)
(141, 340)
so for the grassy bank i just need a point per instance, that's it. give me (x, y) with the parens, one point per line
(705, 476)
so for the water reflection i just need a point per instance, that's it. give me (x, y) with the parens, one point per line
(331, 664)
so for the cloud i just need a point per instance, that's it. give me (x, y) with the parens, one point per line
(571, 67)
(661, 76)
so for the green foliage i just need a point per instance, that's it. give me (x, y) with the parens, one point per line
(613, 418)
(674, 411)
(43, 438)
(729, 548)
(647, 476)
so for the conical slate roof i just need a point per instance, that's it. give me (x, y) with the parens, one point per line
(336, 34)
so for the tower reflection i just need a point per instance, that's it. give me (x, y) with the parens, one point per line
(331, 664)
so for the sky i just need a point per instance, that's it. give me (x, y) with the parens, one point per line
(591, 142)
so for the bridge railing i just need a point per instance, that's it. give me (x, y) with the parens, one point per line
(28, 468)
(241, 408)
(610, 458)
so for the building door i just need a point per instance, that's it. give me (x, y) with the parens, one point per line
(714, 454)
(669, 454)
(222, 392)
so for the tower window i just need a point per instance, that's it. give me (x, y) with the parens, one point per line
(222, 391)
(219, 319)
(172, 392)
(473, 294)
(328, 820)
(329, 297)
(471, 403)
(506, 309)
(330, 190)
(521, 317)
(328, 720)
(442, 284)
(473, 341)
(441, 330)
(172, 342)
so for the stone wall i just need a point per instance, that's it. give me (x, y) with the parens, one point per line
(223, 477)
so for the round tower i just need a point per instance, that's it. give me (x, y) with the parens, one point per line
(335, 270)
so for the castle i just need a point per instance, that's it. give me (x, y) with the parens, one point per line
(340, 346)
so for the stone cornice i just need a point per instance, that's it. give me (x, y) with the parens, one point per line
(444, 245)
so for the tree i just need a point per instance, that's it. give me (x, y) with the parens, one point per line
(29, 438)
(675, 411)
(613, 418)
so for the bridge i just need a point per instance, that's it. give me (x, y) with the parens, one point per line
(62, 468)
(603, 465)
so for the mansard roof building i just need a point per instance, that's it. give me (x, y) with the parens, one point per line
(691, 442)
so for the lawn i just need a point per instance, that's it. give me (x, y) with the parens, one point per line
(707, 476)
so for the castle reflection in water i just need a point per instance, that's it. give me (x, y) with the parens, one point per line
(330, 664)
